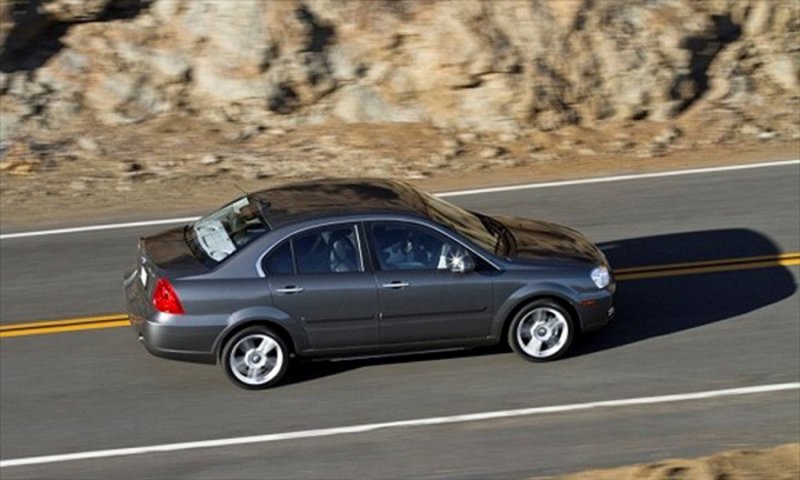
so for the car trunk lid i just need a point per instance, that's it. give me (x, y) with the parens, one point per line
(170, 254)
(165, 255)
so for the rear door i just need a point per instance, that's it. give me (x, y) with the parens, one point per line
(318, 277)
(420, 299)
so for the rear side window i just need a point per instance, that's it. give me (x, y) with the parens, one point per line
(280, 261)
(326, 250)
(330, 250)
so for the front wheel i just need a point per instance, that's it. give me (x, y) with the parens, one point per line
(541, 331)
(255, 358)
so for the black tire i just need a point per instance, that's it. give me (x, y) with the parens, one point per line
(268, 366)
(559, 328)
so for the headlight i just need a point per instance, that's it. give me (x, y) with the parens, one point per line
(600, 277)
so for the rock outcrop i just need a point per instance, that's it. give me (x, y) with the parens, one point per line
(499, 65)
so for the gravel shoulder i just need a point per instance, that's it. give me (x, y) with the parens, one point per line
(186, 167)
(777, 463)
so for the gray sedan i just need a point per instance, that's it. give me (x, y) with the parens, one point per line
(353, 267)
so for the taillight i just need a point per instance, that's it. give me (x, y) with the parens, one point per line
(165, 299)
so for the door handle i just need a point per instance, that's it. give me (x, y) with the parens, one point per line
(396, 284)
(290, 289)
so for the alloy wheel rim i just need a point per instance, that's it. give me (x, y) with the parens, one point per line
(256, 359)
(542, 332)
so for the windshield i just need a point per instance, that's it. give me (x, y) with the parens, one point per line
(483, 230)
(223, 232)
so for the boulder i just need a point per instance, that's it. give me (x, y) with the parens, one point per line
(479, 65)
(359, 104)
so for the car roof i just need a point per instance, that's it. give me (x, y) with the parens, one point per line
(303, 201)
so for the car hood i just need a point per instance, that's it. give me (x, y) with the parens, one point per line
(538, 239)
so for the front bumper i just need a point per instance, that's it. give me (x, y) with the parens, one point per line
(596, 312)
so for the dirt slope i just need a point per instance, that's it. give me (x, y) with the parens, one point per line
(778, 463)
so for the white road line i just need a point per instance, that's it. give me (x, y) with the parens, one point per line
(370, 427)
(459, 193)
(620, 178)
(94, 228)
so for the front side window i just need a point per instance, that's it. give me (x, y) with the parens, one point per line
(407, 247)
(327, 250)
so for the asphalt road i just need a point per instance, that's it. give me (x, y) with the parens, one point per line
(94, 390)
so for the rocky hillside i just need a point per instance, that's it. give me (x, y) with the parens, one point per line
(484, 65)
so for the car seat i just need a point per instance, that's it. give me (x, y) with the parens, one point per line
(343, 253)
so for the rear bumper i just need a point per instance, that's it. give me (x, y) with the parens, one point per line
(177, 337)
(173, 342)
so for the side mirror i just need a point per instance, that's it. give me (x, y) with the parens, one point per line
(462, 262)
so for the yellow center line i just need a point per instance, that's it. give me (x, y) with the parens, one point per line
(783, 256)
(718, 268)
(623, 274)
(57, 323)
(65, 328)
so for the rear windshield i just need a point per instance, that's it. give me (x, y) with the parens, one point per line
(227, 230)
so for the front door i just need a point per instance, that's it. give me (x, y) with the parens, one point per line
(318, 278)
(420, 298)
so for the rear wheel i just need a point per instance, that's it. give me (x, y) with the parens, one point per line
(255, 358)
(541, 331)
